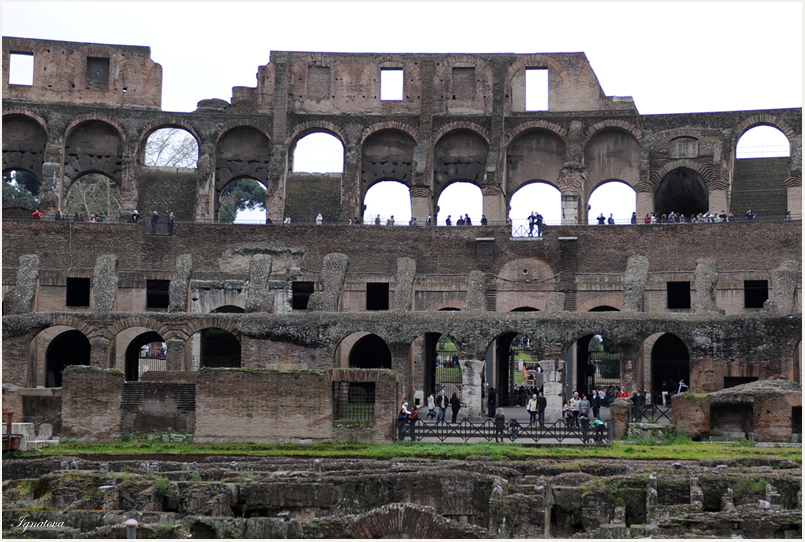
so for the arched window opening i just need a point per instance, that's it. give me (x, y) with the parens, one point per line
(458, 201)
(513, 365)
(603, 308)
(524, 309)
(598, 364)
(318, 153)
(20, 190)
(370, 352)
(92, 198)
(614, 199)
(538, 198)
(670, 363)
(388, 199)
(146, 352)
(243, 202)
(171, 147)
(681, 191)
(214, 347)
(68, 348)
(228, 309)
(763, 142)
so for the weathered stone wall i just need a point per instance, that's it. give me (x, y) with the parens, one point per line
(91, 401)
(271, 406)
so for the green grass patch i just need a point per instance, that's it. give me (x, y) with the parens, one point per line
(439, 451)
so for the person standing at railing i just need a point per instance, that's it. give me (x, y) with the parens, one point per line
(455, 406)
(542, 404)
(532, 409)
(611, 220)
(500, 424)
(584, 425)
(431, 406)
(665, 390)
(595, 404)
(575, 402)
(637, 404)
(601, 219)
(154, 222)
(441, 404)
(402, 420)
(750, 216)
(540, 221)
(171, 220)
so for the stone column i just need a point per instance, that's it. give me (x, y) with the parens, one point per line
(104, 283)
(471, 388)
(50, 194)
(718, 201)
(21, 300)
(351, 204)
(553, 382)
(175, 359)
(706, 279)
(128, 182)
(399, 364)
(99, 353)
(494, 204)
(631, 372)
(645, 205)
(571, 182)
(421, 197)
(794, 197)
(205, 181)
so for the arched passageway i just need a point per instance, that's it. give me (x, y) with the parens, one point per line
(214, 347)
(387, 199)
(670, 362)
(460, 199)
(370, 352)
(612, 198)
(597, 364)
(682, 191)
(138, 359)
(68, 348)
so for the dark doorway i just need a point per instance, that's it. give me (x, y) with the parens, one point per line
(598, 364)
(370, 352)
(682, 191)
(301, 292)
(77, 292)
(756, 292)
(219, 348)
(678, 294)
(670, 363)
(133, 353)
(68, 348)
(377, 296)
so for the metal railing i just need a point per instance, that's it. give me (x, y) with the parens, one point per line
(465, 430)
(652, 414)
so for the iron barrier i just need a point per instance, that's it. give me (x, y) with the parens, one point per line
(556, 432)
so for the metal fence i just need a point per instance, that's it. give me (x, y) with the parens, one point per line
(465, 430)
(652, 414)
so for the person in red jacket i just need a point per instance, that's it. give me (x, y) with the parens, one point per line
(36, 215)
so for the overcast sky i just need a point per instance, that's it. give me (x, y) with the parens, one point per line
(671, 57)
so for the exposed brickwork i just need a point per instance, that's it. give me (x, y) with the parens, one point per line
(91, 401)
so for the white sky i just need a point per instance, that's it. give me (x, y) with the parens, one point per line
(671, 57)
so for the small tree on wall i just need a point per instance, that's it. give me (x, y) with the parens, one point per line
(20, 189)
(241, 195)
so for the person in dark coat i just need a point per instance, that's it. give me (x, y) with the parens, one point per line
(500, 425)
(171, 220)
(154, 221)
(542, 404)
(455, 405)
(637, 404)
(595, 403)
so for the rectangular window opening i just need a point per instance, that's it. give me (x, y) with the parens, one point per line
(377, 296)
(732, 381)
(354, 401)
(391, 84)
(98, 73)
(157, 294)
(78, 292)
(756, 292)
(301, 292)
(21, 69)
(536, 90)
(678, 295)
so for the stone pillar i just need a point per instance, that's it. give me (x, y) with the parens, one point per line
(784, 281)
(645, 205)
(21, 299)
(571, 182)
(175, 359)
(570, 209)
(50, 194)
(718, 201)
(634, 283)
(333, 274)
(400, 364)
(472, 407)
(553, 382)
(99, 353)
(128, 182)
(259, 299)
(205, 181)
(705, 280)
(421, 197)
(104, 283)
(494, 205)
(351, 204)
(180, 283)
(794, 198)
(404, 285)
(476, 292)
(631, 372)
(620, 412)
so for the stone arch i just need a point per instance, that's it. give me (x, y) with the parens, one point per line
(534, 153)
(402, 126)
(386, 155)
(93, 144)
(130, 354)
(162, 328)
(614, 301)
(148, 130)
(406, 520)
(505, 352)
(670, 361)
(611, 153)
(762, 119)
(446, 304)
(423, 372)
(682, 190)
(68, 347)
(212, 321)
(459, 125)
(213, 346)
(535, 61)
(459, 156)
(240, 152)
(514, 131)
(78, 323)
(311, 127)
(616, 124)
(522, 304)
(363, 351)
(595, 370)
(705, 170)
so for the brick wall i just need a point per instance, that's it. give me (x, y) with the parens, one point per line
(265, 406)
(91, 401)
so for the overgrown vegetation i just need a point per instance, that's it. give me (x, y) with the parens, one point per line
(667, 436)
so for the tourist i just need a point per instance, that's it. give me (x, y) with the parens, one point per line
(532, 409)
(413, 221)
(542, 404)
(412, 422)
(682, 386)
(484, 221)
(319, 219)
(585, 403)
(460, 221)
(532, 221)
(377, 220)
(135, 217)
(455, 406)
(648, 218)
(171, 220)
(447, 221)
(730, 218)
(787, 216)
(390, 221)
(500, 424)
(723, 216)
(598, 428)
(595, 403)
(441, 404)
(402, 420)
(514, 429)
(601, 219)
(467, 221)
(567, 413)
(37, 215)
(584, 425)
(653, 218)
(665, 391)
(750, 216)
(633, 220)
(540, 222)
(622, 393)
(575, 402)
(430, 221)
(611, 220)
(637, 405)
(58, 214)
